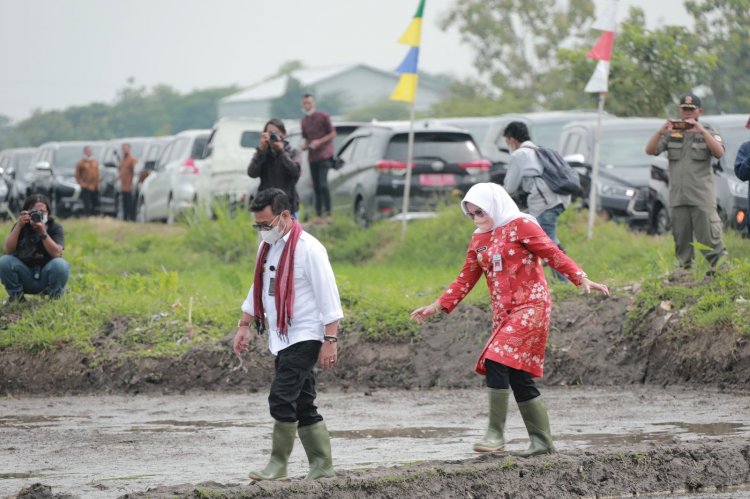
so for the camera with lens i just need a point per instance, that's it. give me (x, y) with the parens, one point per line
(681, 125)
(274, 138)
(36, 216)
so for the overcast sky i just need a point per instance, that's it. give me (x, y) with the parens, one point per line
(59, 53)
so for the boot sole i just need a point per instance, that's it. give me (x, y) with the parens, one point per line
(259, 479)
(479, 448)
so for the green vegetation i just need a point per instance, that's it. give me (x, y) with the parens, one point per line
(156, 290)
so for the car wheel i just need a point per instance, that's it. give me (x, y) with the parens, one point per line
(360, 214)
(662, 224)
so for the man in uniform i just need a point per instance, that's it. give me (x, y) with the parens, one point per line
(691, 147)
(87, 176)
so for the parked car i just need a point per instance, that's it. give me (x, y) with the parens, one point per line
(304, 184)
(52, 173)
(731, 192)
(152, 150)
(623, 183)
(14, 166)
(230, 148)
(174, 184)
(370, 181)
(544, 127)
(109, 166)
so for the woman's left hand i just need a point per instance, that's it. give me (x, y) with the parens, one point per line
(588, 285)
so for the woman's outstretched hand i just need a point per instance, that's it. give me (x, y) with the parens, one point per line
(423, 313)
(588, 285)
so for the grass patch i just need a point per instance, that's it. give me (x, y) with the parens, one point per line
(155, 290)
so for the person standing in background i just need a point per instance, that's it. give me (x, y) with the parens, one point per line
(87, 176)
(318, 134)
(125, 176)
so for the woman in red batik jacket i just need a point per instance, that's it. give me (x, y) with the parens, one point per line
(508, 248)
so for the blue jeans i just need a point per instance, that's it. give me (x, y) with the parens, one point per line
(18, 278)
(548, 221)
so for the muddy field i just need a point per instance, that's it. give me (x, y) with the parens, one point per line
(611, 442)
(648, 410)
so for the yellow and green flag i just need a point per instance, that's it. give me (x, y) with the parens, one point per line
(406, 90)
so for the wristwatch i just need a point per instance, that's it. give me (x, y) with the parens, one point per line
(242, 323)
(44, 236)
(330, 338)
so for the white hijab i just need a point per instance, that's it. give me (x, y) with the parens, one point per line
(496, 202)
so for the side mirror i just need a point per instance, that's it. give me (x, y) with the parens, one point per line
(43, 166)
(110, 164)
(575, 159)
(338, 163)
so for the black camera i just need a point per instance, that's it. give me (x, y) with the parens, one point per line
(36, 216)
(274, 138)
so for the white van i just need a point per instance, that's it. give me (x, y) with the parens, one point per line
(230, 148)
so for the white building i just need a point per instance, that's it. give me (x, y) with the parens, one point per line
(356, 85)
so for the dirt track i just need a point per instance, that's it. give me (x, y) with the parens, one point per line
(673, 438)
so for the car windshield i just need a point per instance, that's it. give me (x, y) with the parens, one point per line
(625, 147)
(450, 147)
(547, 135)
(342, 133)
(67, 156)
(21, 162)
(136, 148)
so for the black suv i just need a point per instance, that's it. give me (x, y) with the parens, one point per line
(14, 165)
(52, 173)
(369, 182)
(624, 167)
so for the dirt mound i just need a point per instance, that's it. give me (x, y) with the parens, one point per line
(667, 470)
(590, 343)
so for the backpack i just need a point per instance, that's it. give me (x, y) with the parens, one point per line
(557, 173)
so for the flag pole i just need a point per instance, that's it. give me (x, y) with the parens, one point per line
(409, 166)
(595, 166)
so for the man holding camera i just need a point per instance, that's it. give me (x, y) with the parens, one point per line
(295, 300)
(32, 263)
(318, 133)
(276, 163)
(691, 147)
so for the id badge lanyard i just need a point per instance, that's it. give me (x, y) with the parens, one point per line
(497, 262)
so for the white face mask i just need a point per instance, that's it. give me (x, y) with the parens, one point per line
(308, 113)
(273, 235)
(44, 219)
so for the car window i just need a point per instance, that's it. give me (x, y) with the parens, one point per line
(164, 158)
(361, 150)
(250, 138)
(66, 157)
(342, 133)
(347, 152)
(572, 144)
(199, 146)
(625, 147)
(546, 135)
(448, 146)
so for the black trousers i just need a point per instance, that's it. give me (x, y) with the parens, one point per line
(128, 206)
(90, 202)
(292, 396)
(500, 377)
(319, 173)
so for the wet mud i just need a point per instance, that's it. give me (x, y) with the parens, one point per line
(611, 442)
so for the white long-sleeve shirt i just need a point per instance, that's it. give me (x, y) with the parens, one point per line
(316, 296)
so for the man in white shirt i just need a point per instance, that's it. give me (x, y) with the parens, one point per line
(295, 300)
(525, 174)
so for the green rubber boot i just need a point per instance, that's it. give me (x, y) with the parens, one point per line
(283, 441)
(534, 413)
(494, 440)
(317, 444)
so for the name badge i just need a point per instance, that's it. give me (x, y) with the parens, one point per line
(497, 263)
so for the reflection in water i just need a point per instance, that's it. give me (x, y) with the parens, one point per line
(666, 436)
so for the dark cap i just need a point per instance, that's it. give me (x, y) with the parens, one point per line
(690, 101)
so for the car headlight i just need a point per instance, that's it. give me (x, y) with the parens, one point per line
(606, 189)
(738, 189)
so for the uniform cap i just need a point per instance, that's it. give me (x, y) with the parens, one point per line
(690, 101)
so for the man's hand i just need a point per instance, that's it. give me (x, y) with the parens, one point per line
(314, 144)
(695, 125)
(241, 340)
(277, 146)
(264, 141)
(667, 127)
(328, 355)
(24, 218)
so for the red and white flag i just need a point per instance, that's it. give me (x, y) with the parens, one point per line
(602, 51)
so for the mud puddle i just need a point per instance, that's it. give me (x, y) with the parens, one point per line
(112, 445)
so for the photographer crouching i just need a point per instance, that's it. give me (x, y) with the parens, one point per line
(276, 162)
(32, 263)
